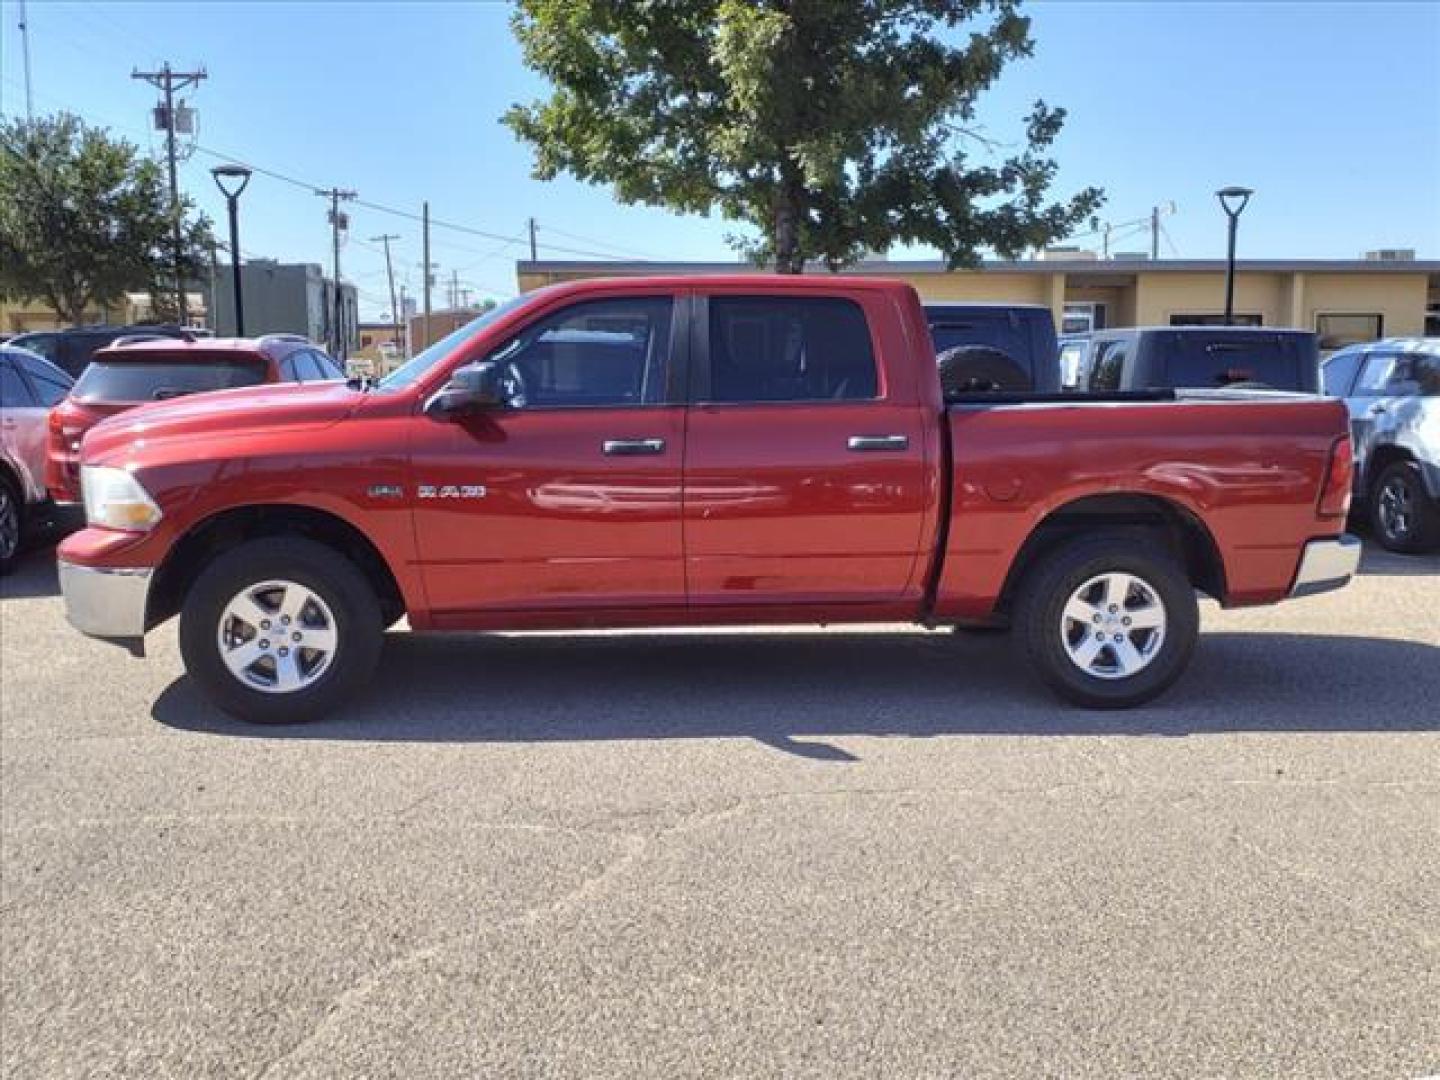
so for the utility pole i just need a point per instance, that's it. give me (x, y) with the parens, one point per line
(24, 27)
(532, 240)
(1154, 233)
(404, 343)
(426, 266)
(454, 289)
(338, 221)
(390, 273)
(168, 80)
(1105, 248)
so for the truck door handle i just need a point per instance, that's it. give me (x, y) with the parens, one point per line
(882, 443)
(631, 447)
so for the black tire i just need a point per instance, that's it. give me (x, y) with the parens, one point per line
(1421, 524)
(12, 524)
(1050, 584)
(328, 574)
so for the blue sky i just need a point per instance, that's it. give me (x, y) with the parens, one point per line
(1328, 109)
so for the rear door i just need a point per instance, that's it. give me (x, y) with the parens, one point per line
(805, 471)
(1372, 405)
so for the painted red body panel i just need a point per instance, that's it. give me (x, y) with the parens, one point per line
(752, 513)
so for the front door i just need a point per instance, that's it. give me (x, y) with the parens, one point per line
(569, 498)
(806, 478)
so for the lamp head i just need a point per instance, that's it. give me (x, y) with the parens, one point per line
(231, 179)
(1233, 200)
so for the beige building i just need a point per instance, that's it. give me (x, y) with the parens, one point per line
(1342, 299)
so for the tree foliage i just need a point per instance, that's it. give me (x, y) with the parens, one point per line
(84, 218)
(832, 126)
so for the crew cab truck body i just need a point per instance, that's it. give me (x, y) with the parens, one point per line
(690, 452)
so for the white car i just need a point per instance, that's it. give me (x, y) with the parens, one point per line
(29, 386)
(1392, 389)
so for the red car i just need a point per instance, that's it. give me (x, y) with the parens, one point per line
(130, 373)
(697, 451)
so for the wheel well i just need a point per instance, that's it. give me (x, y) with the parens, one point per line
(231, 528)
(1185, 535)
(1380, 459)
(9, 476)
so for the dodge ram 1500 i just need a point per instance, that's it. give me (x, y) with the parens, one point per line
(686, 451)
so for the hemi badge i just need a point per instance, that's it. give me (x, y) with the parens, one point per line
(386, 491)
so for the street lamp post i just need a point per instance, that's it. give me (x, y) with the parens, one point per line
(236, 176)
(1233, 201)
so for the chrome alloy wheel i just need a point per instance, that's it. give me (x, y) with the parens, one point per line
(9, 523)
(1112, 626)
(1397, 509)
(277, 637)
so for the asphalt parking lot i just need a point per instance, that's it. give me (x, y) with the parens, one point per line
(806, 853)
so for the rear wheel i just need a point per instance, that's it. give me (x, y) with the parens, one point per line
(1109, 621)
(1403, 517)
(12, 524)
(281, 630)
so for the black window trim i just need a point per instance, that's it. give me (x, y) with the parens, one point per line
(700, 368)
(679, 358)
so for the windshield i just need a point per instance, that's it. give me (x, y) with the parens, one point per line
(423, 361)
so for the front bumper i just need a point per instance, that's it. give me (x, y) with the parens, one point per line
(107, 602)
(1326, 565)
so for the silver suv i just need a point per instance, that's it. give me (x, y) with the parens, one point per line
(1392, 389)
(29, 386)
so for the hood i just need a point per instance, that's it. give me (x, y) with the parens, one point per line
(253, 409)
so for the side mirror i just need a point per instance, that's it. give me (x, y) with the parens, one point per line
(471, 389)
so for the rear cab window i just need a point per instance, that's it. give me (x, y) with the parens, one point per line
(769, 348)
(1203, 361)
(159, 377)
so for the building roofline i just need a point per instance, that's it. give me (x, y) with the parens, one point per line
(1088, 267)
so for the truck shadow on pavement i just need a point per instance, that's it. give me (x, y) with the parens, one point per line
(780, 687)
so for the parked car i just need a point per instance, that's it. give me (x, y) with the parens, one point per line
(1202, 357)
(1005, 347)
(1392, 391)
(29, 386)
(132, 372)
(695, 451)
(71, 350)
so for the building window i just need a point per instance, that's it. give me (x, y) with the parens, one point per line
(1081, 317)
(1337, 330)
(1216, 318)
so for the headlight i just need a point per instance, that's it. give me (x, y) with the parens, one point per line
(115, 500)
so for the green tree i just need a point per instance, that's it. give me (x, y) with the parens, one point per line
(84, 218)
(832, 127)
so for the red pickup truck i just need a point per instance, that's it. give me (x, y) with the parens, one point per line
(691, 452)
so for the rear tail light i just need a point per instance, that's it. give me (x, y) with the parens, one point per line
(1339, 480)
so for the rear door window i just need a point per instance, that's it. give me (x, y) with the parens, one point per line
(1003, 331)
(1108, 367)
(770, 348)
(157, 380)
(49, 382)
(1338, 373)
(14, 393)
(1203, 362)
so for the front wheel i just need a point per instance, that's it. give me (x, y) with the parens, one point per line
(281, 630)
(1109, 621)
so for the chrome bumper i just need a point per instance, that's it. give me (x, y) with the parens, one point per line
(1326, 565)
(106, 602)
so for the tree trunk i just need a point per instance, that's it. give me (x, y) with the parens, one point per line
(789, 202)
